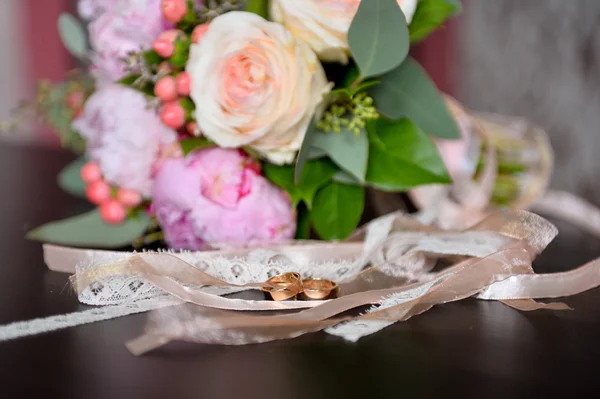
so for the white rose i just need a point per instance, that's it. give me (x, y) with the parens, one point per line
(255, 85)
(324, 24)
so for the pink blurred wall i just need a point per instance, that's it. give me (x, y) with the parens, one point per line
(48, 58)
(31, 50)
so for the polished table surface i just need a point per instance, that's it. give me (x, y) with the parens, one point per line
(470, 348)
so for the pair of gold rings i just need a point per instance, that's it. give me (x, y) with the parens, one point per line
(291, 286)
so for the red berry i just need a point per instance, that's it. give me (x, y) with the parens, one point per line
(90, 172)
(113, 212)
(183, 84)
(98, 192)
(173, 115)
(163, 47)
(170, 35)
(166, 89)
(192, 128)
(165, 68)
(74, 100)
(129, 198)
(173, 10)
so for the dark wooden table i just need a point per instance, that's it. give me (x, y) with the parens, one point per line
(471, 348)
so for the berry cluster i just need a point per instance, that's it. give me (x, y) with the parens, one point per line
(113, 204)
(173, 85)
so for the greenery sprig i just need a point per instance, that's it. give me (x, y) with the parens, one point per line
(351, 114)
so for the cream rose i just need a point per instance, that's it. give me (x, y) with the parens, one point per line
(324, 24)
(254, 84)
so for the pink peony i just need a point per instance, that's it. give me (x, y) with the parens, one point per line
(124, 136)
(218, 196)
(92, 9)
(123, 26)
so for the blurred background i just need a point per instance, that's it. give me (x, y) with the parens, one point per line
(539, 59)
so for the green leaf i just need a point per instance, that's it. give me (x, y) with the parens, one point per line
(72, 34)
(89, 230)
(402, 156)
(456, 4)
(195, 143)
(260, 7)
(316, 173)
(69, 179)
(378, 37)
(152, 58)
(364, 86)
(346, 93)
(303, 223)
(352, 75)
(188, 106)
(128, 80)
(348, 150)
(408, 91)
(181, 54)
(252, 152)
(305, 149)
(337, 210)
(429, 15)
(283, 176)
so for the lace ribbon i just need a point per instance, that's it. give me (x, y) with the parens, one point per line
(398, 266)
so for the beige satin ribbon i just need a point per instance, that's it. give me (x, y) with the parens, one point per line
(505, 275)
(202, 325)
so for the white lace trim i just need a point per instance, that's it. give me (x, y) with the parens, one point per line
(259, 266)
(123, 295)
(354, 330)
(54, 323)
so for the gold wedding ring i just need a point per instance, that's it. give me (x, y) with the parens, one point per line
(283, 286)
(318, 289)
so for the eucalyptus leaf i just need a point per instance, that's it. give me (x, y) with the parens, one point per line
(89, 230)
(337, 210)
(195, 143)
(315, 153)
(260, 7)
(305, 149)
(407, 91)
(341, 176)
(378, 37)
(402, 156)
(73, 36)
(347, 149)
(69, 179)
(430, 15)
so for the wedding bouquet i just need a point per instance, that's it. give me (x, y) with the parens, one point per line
(225, 121)
(230, 127)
